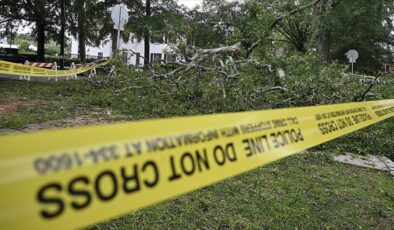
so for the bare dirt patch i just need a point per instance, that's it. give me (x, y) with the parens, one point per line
(9, 106)
(65, 123)
(12, 105)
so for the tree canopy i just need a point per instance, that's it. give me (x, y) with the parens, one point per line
(330, 27)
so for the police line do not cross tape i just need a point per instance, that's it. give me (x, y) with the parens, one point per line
(31, 71)
(75, 177)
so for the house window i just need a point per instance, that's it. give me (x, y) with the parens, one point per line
(139, 39)
(100, 55)
(155, 58)
(137, 59)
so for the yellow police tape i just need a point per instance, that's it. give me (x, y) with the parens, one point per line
(74, 177)
(26, 70)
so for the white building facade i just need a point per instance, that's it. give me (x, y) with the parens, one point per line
(158, 51)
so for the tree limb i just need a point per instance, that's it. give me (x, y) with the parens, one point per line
(276, 21)
(374, 82)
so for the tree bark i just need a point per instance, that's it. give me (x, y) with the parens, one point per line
(40, 17)
(62, 32)
(40, 23)
(114, 43)
(324, 46)
(324, 33)
(147, 35)
(82, 34)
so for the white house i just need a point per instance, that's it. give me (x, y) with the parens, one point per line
(157, 51)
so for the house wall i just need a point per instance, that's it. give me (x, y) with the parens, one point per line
(91, 51)
(133, 44)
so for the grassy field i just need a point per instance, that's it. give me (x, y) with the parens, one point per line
(22, 102)
(307, 191)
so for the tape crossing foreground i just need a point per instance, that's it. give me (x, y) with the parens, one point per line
(26, 70)
(75, 177)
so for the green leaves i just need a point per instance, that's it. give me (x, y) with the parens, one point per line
(360, 25)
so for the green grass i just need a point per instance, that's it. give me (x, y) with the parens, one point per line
(52, 101)
(304, 191)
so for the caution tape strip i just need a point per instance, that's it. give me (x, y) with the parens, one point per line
(80, 176)
(26, 70)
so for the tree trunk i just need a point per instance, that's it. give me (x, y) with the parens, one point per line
(82, 34)
(40, 17)
(323, 33)
(323, 47)
(114, 43)
(147, 35)
(82, 46)
(40, 40)
(62, 32)
(146, 49)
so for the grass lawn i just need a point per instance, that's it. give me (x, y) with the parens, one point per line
(23, 102)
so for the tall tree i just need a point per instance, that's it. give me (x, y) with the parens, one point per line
(40, 12)
(295, 28)
(152, 20)
(81, 15)
(213, 23)
(89, 21)
(62, 31)
(323, 30)
(363, 25)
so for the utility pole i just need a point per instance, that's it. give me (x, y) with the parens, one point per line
(118, 35)
(62, 32)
